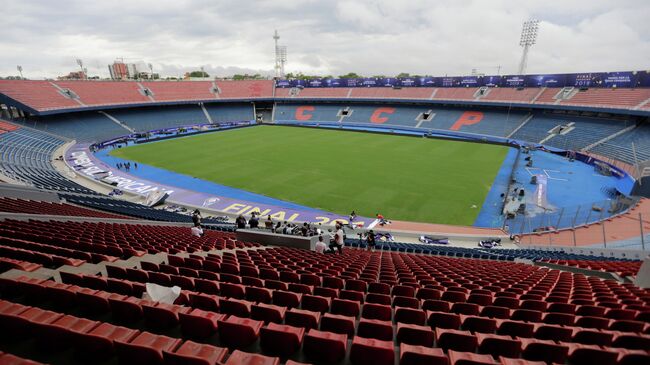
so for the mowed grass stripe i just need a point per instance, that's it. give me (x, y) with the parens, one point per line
(405, 178)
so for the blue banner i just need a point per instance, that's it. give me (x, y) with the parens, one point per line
(626, 79)
(620, 79)
(513, 81)
(408, 81)
(643, 79)
(545, 80)
(449, 81)
(470, 81)
(491, 81)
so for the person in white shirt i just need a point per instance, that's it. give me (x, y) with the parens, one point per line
(337, 243)
(197, 230)
(320, 245)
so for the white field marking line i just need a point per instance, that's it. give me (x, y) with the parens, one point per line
(532, 168)
(553, 178)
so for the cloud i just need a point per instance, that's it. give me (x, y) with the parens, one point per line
(370, 37)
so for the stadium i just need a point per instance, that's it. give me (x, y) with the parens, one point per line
(177, 222)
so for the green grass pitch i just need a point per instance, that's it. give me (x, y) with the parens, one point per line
(404, 178)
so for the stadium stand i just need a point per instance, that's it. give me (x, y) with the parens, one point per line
(127, 208)
(49, 96)
(339, 92)
(36, 207)
(245, 89)
(83, 126)
(152, 118)
(455, 93)
(548, 96)
(26, 154)
(40, 95)
(93, 126)
(434, 307)
(585, 132)
(629, 98)
(526, 95)
(620, 266)
(620, 147)
(468, 121)
(176, 91)
(392, 93)
(230, 112)
(104, 241)
(104, 92)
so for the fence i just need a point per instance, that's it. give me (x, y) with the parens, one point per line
(628, 230)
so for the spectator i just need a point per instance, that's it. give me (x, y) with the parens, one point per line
(319, 231)
(241, 222)
(268, 224)
(196, 217)
(254, 222)
(338, 240)
(353, 216)
(278, 228)
(381, 219)
(197, 230)
(305, 229)
(320, 245)
(370, 240)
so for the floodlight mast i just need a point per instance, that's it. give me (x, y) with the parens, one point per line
(528, 38)
(280, 56)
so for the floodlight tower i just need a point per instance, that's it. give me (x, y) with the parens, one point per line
(81, 66)
(528, 38)
(20, 70)
(280, 56)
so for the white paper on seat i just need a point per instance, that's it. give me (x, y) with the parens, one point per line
(162, 294)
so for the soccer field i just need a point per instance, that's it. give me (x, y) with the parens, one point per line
(404, 178)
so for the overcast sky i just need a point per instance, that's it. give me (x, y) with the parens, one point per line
(325, 37)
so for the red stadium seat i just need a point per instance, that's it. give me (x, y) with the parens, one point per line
(337, 324)
(268, 313)
(146, 348)
(325, 346)
(422, 355)
(497, 345)
(282, 340)
(286, 299)
(199, 323)
(580, 354)
(192, 353)
(302, 318)
(377, 311)
(238, 332)
(239, 308)
(365, 351)
(456, 340)
(245, 358)
(443, 320)
(411, 316)
(99, 342)
(414, 335)
(345, 307)
(374, 328)
(543, 350)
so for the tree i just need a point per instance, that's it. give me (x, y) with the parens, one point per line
(247, 77)
(403, 75)
(350, 75)
(199, 74)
